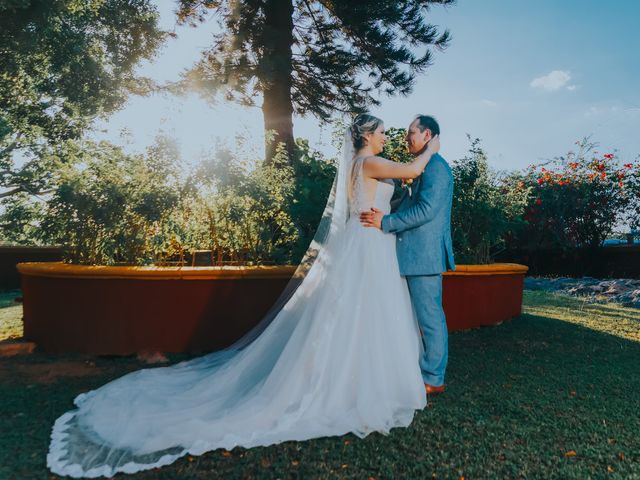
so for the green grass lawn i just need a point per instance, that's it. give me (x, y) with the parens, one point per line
(552, 394)
(10, 315)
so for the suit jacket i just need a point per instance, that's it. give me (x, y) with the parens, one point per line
(422, 222)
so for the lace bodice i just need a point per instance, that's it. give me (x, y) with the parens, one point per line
(365, 195)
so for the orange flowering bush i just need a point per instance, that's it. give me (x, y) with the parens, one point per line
(578, 199)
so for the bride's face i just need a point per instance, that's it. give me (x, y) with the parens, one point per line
(376, 140)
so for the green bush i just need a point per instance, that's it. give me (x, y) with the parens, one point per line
(395, 147)
(314, 176)
(486, 207)
(577, 200)
(249, 212)
(20, 220)
(108, 207)
(242, 209)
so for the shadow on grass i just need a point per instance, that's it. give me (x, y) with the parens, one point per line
(522, 398)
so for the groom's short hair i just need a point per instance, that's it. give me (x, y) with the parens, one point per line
(426, 121)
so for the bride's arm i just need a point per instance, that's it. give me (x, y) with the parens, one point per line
(379, 168)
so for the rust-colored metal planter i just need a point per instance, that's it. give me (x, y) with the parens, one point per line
(123, 310)
(477, 295)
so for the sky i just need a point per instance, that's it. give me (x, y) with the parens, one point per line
(528, 78)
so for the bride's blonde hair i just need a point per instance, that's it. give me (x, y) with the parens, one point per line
(362, 124)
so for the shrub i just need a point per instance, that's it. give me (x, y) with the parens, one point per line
(395, 147)
(107, 207)
(313, 179)
(20, 220)
(487, 206)
(577, 200)
(250, 212)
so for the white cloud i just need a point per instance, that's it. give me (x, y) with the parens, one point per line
(488, 103)
(571, 88)
(552, 81)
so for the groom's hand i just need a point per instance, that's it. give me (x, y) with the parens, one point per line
(372, 218)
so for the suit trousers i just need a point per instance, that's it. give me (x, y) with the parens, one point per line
(426, 297)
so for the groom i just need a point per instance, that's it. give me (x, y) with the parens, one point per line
(422, 224)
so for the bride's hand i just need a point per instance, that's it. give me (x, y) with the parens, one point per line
(434, 144)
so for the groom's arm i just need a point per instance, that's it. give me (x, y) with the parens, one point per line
(432, 196)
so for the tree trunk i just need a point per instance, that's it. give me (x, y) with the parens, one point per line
(276, 72)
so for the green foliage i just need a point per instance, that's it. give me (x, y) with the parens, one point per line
(395, 147)
(578, 199)
(19, 220)
(250, 220)
(250, 212)
(314, 176)
(108, 207)
(632, 185)
(253, 211)
(62, 63)
(486, 207)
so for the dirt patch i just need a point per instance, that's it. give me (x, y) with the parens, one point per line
(46, 372)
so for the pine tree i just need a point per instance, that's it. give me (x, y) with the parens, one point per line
(312, 56)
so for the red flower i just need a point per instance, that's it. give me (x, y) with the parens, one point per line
(603, 175)
(608, 156)
(538, 202)
(573, 165)
(628, 165)
(540, 181)
(621, 185)
(600, 166)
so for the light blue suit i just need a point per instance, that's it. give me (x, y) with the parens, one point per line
(422, 224)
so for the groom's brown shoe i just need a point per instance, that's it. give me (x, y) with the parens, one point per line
(431, 389)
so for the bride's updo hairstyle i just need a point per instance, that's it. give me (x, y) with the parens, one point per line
(363, 124)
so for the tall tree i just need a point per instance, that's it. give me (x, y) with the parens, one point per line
(62, 63)
(312, 56)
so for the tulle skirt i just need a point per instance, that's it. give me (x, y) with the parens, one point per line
(342, 356)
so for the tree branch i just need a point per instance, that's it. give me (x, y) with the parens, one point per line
(11, 192)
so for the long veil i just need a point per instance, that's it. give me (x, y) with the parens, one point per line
(119, 426)
(323, 247)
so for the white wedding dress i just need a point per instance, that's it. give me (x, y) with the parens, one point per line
(344, 359)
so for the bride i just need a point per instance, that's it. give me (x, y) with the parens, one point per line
(340, 354)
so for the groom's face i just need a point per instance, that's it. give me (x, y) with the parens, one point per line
(416, 140)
